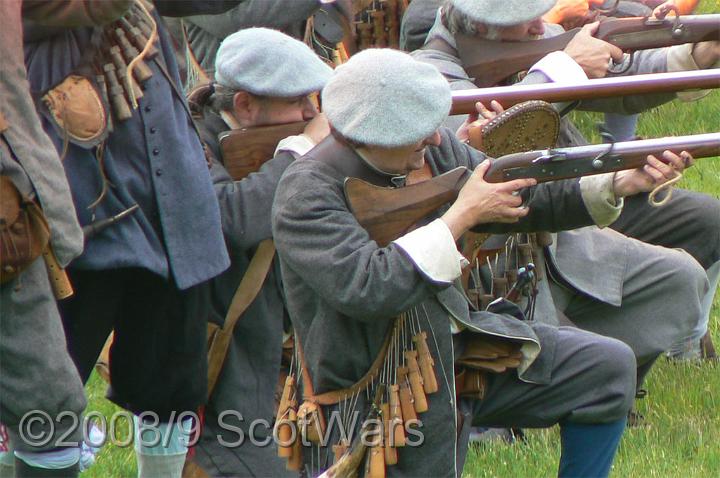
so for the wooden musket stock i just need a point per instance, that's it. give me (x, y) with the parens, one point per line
(490, 62)
(245, 150)
(388, 213)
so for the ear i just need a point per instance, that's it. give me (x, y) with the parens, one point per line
(243, 106)
(481, 30)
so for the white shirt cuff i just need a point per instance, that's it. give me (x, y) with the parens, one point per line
(598, 194)
(433, 250)
(299, 145)
(558, 67)
(679, 58)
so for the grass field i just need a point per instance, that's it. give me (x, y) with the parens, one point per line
(681, 437)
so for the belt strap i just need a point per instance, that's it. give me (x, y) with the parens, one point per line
(336, 396)
(250, 285)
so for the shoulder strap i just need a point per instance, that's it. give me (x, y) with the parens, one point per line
(247, 291)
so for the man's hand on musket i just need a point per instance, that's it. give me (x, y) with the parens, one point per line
(480, 202)
(652, 175)
(478, 119)
(679, 7)
(705, 54)
(593, 55)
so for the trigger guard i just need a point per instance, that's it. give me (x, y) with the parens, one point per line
(624, 65)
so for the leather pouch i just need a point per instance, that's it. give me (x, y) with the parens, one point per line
(527, 126)
(471, 383)
(24, 232)
(489, 354)
(77, 110)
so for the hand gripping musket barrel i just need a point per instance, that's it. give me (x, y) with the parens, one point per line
(388, 213)
(490, 62)
(245, 150)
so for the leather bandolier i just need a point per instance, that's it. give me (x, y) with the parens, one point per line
(377, 23)
(335, 34)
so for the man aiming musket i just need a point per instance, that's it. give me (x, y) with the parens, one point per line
(685, 222)
(364, 313)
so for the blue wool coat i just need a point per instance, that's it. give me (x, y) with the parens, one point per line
(153, 159)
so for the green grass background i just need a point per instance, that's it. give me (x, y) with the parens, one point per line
(681, 437)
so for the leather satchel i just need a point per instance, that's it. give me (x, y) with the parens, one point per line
(24, 232)
(483, 354)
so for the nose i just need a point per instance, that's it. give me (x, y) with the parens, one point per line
(309, 111)
(432, 140)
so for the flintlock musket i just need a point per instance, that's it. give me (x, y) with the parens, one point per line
(463, 101)
(388, 213)
(245, 150)
(490, 62)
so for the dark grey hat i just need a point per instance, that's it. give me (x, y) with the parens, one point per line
(269, 63)
(383, 97)
(503, 12)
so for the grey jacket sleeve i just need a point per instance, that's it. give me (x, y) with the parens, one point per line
(253, 13)
(320, 240)
(644, 62)
(245, 205)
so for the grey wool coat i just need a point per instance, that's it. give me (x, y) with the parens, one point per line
(36, 372)
(343, 290)
(246, 385)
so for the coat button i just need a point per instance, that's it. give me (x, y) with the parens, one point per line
(158, 172)
(153, 130)
(148, 109)
(156, 152)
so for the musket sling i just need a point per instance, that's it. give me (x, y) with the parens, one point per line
(250, 285)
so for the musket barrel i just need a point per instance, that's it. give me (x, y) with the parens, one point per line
(463, 101)
(699, 145)
(561, 163)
